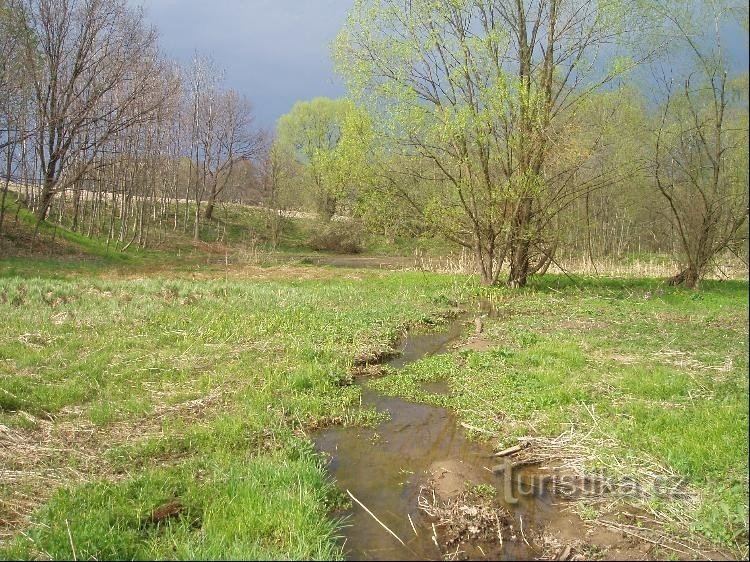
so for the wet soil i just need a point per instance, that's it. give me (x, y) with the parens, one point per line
(438, 491)
(436, 387)
(421, 449)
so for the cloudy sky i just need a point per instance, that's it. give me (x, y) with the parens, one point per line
(274, 51)
(278, 51)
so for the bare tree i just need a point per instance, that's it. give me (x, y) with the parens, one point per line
(234, 140)
(14, 97)
(700, 152)
(109, 138)
(90, 63)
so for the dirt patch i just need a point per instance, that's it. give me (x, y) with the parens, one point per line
(235, 272)
(620, 523)
(618, 534)
(570, 538)
(686, 360)
(452, 477)
(471, 520)
(374, 357)
(365, 370)
(478, 343)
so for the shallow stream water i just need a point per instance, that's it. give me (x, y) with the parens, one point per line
(384, 468)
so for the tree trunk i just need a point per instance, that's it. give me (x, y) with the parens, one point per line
(8, 169)
(489, 261)
(688, 278)
(76, 206)
(519, 259)
(45, 199)
(484, 264)
(519, 265)
(196, 225)
(208, 214)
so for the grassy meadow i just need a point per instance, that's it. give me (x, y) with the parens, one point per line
(119, 395)
(157, 383)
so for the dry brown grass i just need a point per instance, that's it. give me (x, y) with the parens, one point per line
(463, 263)
(69, 449)
(637, 496)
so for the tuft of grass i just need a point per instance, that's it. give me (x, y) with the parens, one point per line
(231, 506)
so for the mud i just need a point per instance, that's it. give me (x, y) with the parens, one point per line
(436, 387)
(445, 496)
(421, 449)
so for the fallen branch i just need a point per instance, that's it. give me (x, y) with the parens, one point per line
(639, 533)
(412, 525)
(479, 429)
(509, 451)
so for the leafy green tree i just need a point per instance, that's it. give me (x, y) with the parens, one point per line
(314, 132)
(482, 95)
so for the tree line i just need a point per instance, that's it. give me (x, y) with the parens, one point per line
(524, 130)
(96, 121)
(520, 130)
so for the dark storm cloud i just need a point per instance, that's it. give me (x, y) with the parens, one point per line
(273, 51)
(277, 52)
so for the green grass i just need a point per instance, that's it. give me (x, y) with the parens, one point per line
(234, 507)
(663, 370)
(163, 387)
(159, 385)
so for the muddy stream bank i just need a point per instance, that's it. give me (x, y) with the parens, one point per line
(423, 451)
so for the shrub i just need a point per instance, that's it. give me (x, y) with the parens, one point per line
(339, 236)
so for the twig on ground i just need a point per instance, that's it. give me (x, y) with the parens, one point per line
(70, 538)
(509, 451)
(412, 525)
(523, 536)
(375, 518)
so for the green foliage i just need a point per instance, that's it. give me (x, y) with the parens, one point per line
(467, 112)
(342, 237)
(328, 138)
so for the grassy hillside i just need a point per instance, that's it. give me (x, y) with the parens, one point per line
(236, 230)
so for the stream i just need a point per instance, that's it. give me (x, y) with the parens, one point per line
(384, 468)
